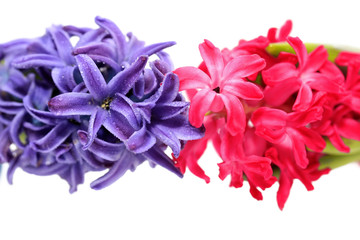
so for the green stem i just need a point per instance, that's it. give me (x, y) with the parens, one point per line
(333, 162)
(275, 48)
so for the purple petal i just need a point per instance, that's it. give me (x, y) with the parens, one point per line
(46, 170)
(126, 161)
(160, 158)
(167, 137)
(105, 150)
(117, 35)
(98, 48)
(80, 88)
(64, 78)
(146, 84)
(92, 77)
(42, 116)
(4, 145)
(91, 36)
(73, 103)
(125, 80)
(123, 105)
(37, 60)
(169, 88)
(9, 107)
(11, 170)
(17, 83)
(166, 61)
(62, 154)
(151, 49)
(54, 138)
(140, 141)
(109, 61)
(133, 44)
(97, 118)
(181, 128)
(16, 128)
(118, 125)
(169, 110)
(74, 175)
(62, 44)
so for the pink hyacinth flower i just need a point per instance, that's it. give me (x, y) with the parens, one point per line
(224, 86)
(279, 127)
(284, 79)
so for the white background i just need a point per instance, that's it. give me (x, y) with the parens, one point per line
(152, 203)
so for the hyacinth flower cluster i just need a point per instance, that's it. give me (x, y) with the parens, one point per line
(275, 110)
(79, 99)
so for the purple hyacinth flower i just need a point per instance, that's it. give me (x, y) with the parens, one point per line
(98, 105)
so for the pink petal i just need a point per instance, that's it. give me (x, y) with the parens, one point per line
(200, 104)
(338, 143)
(349, 128)
(300, 50)
(303, 99)
(316, 59)
(192, 78)
(285, 30)
(285, 184)
(270, 124)
(312, 139)
(301, 119)
(279, 72)
(243, 90)
(298, 149)
(279, 94)
(217, 104)
(243, 66)
(213, 60)
(321, 82)
(235, 114)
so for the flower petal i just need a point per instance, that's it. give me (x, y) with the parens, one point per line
(96, 48)
(124, 106)
(97, 118)
(92, 77)
(279, 72)
(101, 148)
(126, 161)
(192, 78)
(243, 90)
(303, 99)
(160, 158)
(167, 137)
(125, 80)
(140, 141)
(151, 49)
(118, 125)
(64, 78)
(73, 103)
(243, 66)
(279, 94)
(300, 50)
(316, 59)
(213, 60)
(169, 110)
(199, 106)
(62, 44)
(54, 138)
(117, 36)
(16, 128)
(169, 88)
(235, 119)
(37, 60)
